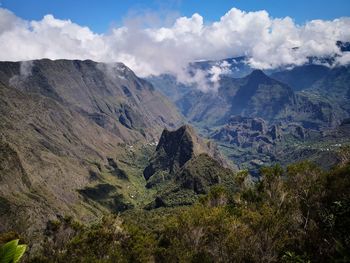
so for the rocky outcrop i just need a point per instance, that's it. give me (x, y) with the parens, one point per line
(248, 132)
(184, 166)
(253, 142)
(176, 148)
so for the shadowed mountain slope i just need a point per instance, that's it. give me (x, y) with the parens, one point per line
(72, 139)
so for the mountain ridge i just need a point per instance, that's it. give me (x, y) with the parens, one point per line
(72, 138)
(101, 91)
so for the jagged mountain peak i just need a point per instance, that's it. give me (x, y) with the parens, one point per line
(183, 166)
(177, 136)
(176, 148)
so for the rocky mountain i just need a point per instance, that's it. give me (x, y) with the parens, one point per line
(252, 142)
(174, 150)
(258, 95)
(254, 95)
(73, 138)
(184, 162)
(109, 94)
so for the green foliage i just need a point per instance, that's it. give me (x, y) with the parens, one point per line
(298, 214)
(108, 240)
(11, 252)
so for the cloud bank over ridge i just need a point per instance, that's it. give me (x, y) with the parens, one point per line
(267, 42)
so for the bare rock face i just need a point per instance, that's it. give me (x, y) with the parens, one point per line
(255, 133)
(275, 132)
(183, 167)
(176, 148)
(247, 132)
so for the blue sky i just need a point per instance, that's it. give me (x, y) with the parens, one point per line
(161, 36)
(101, 15)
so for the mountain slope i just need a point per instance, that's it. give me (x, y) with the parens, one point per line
(301, 77)
(255, 95)
(73, 140)
(47, 153)
(335, 86)
(110, 94)
(195, 178)
(258, 95)
(317, 84)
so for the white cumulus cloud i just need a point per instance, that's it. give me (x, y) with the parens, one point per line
(267, 42)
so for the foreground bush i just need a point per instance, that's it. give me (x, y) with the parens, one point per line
(300, 214)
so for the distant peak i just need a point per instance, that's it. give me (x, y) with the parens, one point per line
(258, 76)
(258, 72)
(181, 129)
(187, 128)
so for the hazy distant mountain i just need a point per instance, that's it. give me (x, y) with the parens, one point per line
(301, 77)
(335, 86)
(257, 95)
(298, 94)
(331, 84)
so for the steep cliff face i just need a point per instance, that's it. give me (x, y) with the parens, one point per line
(109, 94)
(47, 153)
